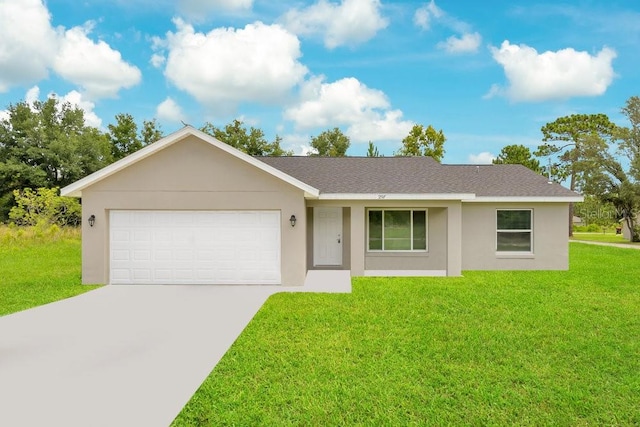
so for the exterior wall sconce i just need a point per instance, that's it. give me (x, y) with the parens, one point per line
(92, 220)
(293, 220)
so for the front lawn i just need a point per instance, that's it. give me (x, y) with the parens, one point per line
(601, 237)
(501, 348)
(38, 267)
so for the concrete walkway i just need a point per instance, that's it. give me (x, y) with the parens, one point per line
(615, 245)
(123, 355)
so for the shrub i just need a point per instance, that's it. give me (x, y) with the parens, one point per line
(593, 228)
(44, 207)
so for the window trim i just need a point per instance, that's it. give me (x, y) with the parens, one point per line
(529, 230)
(402, 251)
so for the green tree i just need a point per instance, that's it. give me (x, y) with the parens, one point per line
(46, 144)
(576, 140)
(594, 211)
(251, 141)
(123, 136)
(517, 154)
(330, 143)
(151, 132)
(616, 180)
(571, 139)
(277, 150)
(423, 141)
(372, 151)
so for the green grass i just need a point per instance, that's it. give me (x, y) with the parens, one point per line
(489, 348)
(601, 237)
(38, 267)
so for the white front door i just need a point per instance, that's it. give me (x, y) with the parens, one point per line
(327, 236)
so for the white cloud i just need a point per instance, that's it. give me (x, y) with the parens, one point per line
(76, 99)
(388, 126)
(328, 104)
(227, 66)
(27, 42)
(30, 47)
(170, 111)
(96, 67)
(467, 43)
(348, 102)
(73, 98)
(198, 10)
(494, 90)
(562, 74)
(32, 95)
(157, 60)
(349, 23)
(484, 158)
(425, 14)
(299, 143)
(4, 115)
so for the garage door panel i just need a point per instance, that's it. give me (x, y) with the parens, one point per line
(141, 274)
(163, 275)
(184, 256)
(142, 255)
(208, 247)
(141, 219)
(120, 236)
(120, 275)
(206, 256)
(162, 255)
(120, 255)
(184, 274)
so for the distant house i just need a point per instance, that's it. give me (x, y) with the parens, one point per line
(626, 233)
(189, 209)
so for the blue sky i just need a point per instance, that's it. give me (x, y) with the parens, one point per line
(488, 73)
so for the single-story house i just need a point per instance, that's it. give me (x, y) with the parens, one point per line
(191, 209)
(577, 221)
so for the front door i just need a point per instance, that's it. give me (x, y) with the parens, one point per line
(327, 236)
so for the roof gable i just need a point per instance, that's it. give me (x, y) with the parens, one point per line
(75, 189)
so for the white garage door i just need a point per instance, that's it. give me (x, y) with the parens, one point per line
(195, 247)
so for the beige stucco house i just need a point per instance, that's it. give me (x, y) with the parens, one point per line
(191, 209)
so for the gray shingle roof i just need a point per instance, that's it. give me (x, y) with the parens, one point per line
(414, 175)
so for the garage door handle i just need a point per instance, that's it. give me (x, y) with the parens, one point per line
(338, 238)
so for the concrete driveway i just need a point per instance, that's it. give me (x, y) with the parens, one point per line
(119, 355)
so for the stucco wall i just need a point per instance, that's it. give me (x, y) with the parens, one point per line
(550, 241)
(192, 175)
(444, 248)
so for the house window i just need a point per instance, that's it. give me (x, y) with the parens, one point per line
(514, 231)
(397, 230)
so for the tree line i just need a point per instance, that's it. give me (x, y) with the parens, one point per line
(48, 145)
(597, 158)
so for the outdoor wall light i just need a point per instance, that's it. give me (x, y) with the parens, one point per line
(293, 220)
(92, 220)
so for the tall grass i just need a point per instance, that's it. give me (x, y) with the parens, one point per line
(14, 236)
(38, 265)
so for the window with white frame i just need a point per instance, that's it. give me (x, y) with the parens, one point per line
(514, 230)
(397, 229)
